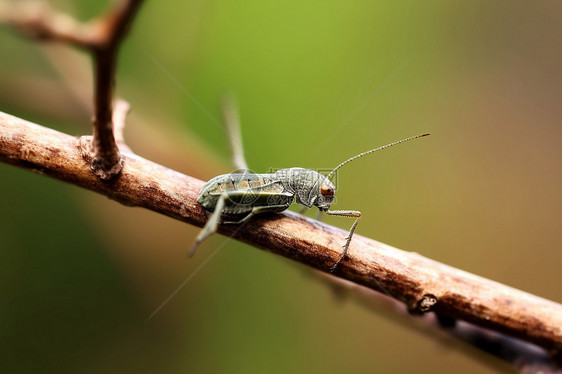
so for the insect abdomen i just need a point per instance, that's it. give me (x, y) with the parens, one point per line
(243, 191)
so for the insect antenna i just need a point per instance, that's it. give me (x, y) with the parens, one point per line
(373, 150)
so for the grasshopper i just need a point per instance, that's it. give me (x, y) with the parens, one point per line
(243, 194)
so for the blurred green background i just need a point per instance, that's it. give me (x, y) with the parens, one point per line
(316, 82)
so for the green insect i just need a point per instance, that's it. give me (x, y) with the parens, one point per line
(241, 195)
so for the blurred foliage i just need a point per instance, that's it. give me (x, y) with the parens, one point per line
(316, 82)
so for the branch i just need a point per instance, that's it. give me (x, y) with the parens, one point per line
(526, 358)
(422, 284)
(37, 20)
(112, 27)
(102, 38)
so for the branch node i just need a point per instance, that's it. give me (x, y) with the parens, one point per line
(423, 305)
(103, 167)
(107, 168)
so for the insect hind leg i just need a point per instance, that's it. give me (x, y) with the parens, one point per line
(232, 121)
(211, 226)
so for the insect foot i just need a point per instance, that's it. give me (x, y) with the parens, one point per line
(334, 266)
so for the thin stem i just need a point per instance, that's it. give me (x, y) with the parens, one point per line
(112, 27)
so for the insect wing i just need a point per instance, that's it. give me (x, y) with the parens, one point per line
(261, 196)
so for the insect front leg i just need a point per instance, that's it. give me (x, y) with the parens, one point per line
(211, 225)
(345, 213)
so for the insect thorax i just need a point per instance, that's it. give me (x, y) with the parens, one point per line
(305, 184)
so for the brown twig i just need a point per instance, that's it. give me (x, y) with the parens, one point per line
(422, 284)
(112, 27)
(102, 37)
(37, 20)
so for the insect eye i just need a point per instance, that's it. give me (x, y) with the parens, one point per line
(326, 190)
